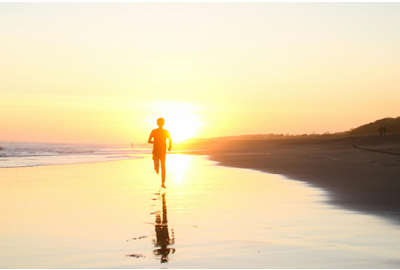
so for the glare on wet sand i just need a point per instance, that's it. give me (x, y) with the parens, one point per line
(113, 215)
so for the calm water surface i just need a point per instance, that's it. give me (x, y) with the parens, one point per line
(113, 215)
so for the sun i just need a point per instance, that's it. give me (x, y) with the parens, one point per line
(181, 119)
(181, 127)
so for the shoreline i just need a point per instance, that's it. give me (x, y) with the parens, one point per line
(361, 175)
(62, 162)
(356, 179)
(114, 215)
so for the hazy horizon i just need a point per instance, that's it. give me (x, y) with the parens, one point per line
(104, 72)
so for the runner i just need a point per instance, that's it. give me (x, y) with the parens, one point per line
(158, 138)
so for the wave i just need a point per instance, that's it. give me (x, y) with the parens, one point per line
(21, 154)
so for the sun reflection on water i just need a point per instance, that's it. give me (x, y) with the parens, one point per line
(177, 167)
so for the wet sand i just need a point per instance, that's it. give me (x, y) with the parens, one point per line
(114, 215)
(365, 178)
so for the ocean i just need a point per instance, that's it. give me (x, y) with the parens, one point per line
(26, 154)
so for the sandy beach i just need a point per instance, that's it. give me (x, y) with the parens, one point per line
(365, 178)
(283, 121)
(114, 215)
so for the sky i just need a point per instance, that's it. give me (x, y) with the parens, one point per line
(104, 72)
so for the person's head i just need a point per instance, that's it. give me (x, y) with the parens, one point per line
(160, 122)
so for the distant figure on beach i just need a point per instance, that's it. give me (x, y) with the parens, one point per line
(382, 130)
(132, 146)
(158, 138)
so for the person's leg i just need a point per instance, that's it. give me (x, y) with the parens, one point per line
(156, 163)
(163, 173)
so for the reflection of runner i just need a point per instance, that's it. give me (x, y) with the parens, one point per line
(158, 138)
(162, 234)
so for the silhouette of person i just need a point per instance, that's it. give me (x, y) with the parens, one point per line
(158, 138)
(162, 234)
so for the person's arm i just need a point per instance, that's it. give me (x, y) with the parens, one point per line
(170, 142)
(150, 140)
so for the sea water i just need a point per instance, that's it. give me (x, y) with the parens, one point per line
(24, 154)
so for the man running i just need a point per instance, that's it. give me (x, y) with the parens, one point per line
(158, 138)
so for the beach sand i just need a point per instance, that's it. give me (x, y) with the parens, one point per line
(114, 215)
(366, 178)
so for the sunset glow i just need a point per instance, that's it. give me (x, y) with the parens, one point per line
(181, 118)
(183, 127)
(104, 72)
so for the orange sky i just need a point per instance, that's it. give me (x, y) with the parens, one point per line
(104, 72)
